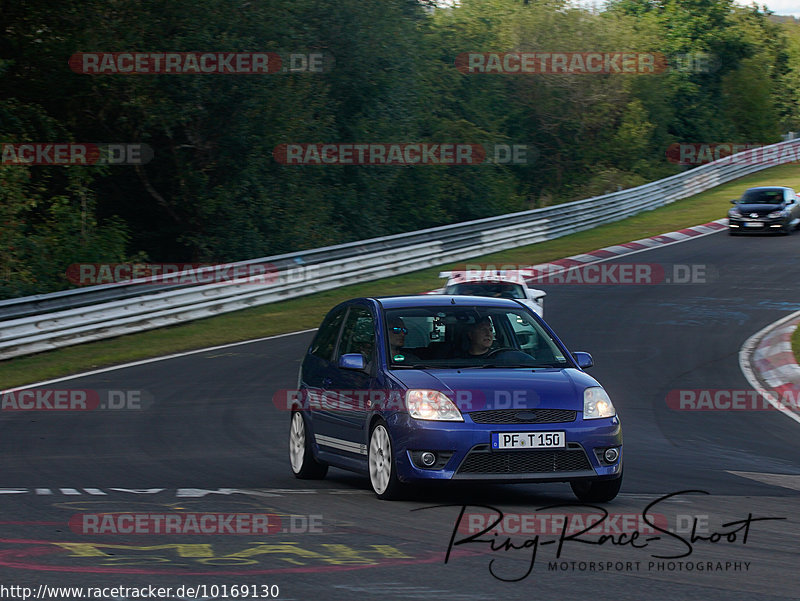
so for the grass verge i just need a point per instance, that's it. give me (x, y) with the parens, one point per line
(306, 312)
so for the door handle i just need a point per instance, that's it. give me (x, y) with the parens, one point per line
(327, 382)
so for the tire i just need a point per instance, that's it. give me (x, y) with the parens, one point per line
(301, 457)
(596, 491)
(732, 232)
(382, 467)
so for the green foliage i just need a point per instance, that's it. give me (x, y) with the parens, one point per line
(214, 191)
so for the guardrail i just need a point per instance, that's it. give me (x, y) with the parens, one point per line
(49, 321)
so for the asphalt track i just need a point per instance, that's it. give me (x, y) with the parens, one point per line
(209, 439)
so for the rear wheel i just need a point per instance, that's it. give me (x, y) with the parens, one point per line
(301, 457)
(596, 491)
(382, 468)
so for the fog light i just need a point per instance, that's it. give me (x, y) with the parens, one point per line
(611, 455)
(428, 458)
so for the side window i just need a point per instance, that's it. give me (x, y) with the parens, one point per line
(325, 340)
(359, 333)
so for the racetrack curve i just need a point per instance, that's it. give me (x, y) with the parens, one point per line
(209, 424)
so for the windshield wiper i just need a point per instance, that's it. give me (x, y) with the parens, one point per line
(512, 366)
(509, 365)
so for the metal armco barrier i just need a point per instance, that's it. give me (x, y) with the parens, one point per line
(48, 321)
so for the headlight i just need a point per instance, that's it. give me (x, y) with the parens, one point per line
(432, 405)
(776, 214)
(734, 213)
(596, 404)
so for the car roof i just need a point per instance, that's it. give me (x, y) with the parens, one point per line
(494, 278)
(438, 300)
(770, 188)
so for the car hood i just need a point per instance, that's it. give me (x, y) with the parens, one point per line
(496, 388)
(760, 209)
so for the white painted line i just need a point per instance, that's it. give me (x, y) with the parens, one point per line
(744, 364)
(653, 245)
(791, 481)
(152, 360)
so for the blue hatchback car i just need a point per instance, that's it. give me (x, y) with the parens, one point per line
(425, 388)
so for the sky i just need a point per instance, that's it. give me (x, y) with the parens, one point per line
(780, 7)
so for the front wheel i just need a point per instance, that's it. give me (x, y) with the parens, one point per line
(382, 468)
(301, 457)
(596, 491)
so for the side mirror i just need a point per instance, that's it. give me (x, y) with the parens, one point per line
(353, 361)
(734, 201)
(584, 360)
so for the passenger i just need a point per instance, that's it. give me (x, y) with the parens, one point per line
(397, 340)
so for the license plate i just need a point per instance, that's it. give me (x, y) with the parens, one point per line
(528, 440)
(753, 224)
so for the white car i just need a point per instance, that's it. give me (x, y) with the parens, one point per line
(498, 284)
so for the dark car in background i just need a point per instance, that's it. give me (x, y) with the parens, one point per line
(444, 388)
(765, 209)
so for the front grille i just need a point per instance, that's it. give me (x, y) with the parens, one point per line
(481, 460)
(523, 416)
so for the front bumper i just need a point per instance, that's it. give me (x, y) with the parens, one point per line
(756, 224)
(471, 457)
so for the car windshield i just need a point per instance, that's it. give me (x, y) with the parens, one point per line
(763, 197)
(495, 289)
(469, 336)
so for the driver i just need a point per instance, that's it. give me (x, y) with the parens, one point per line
(481, 337)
